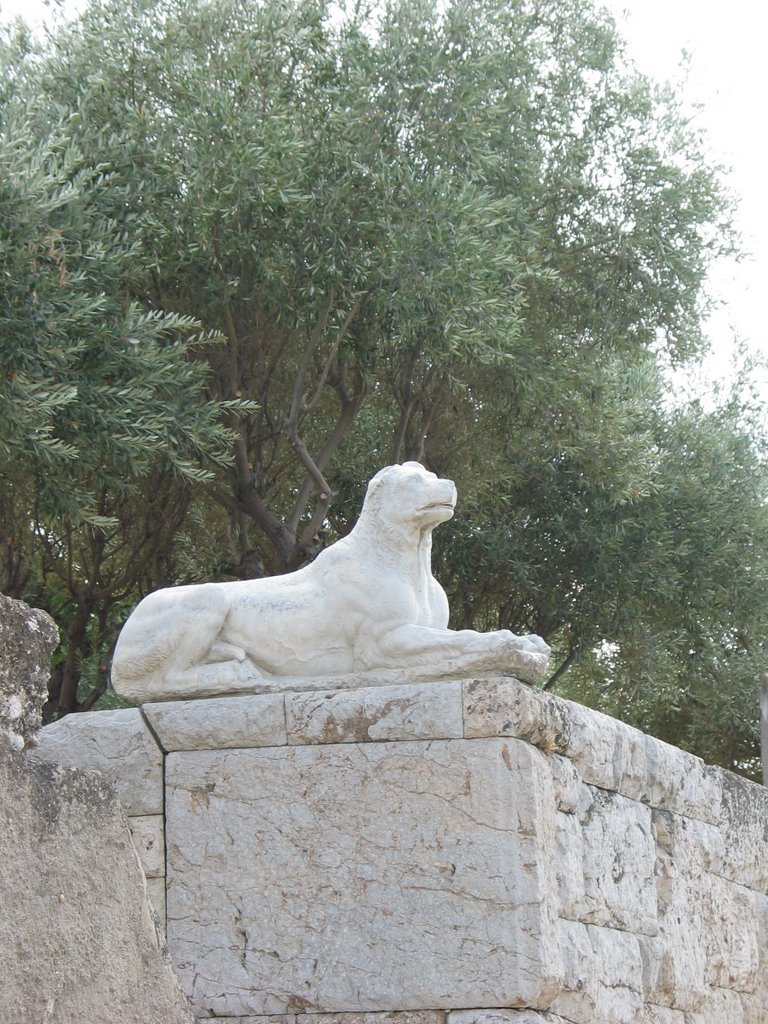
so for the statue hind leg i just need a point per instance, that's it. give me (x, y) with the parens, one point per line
(169, 647)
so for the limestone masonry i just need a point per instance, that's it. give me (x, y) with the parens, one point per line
(460, 852)
(79, 940)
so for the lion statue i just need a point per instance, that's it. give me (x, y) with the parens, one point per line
(367, 611)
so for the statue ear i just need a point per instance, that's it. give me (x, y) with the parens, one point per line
(374, 484)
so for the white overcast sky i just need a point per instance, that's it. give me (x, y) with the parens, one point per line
(727, 78)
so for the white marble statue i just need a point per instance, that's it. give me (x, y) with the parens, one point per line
(367, 611)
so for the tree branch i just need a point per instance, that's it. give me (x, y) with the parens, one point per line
(563, 667)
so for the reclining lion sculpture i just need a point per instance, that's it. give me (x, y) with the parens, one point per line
(367, 611)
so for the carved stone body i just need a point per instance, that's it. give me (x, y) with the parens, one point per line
(367, 606)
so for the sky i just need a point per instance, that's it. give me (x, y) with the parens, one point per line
(726, 89)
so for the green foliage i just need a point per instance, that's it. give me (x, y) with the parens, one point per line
(335, 237)
(100, 397)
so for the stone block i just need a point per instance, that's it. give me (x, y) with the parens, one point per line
(362, 877)
(619, 862)
(219, 724)
(116, 743)
(497, 1017)
(720, 1007)
(677, 781)
(674, 963)
(373, 714)
(569, 866)
(606, 861)
(567, 783)
(612, 755)
(602, 975)
(507, 707)
(148, 835)
(28, 637)
(730, 931)
(400, 1017)
(592, 745)
(651, 1014)
(744, 822)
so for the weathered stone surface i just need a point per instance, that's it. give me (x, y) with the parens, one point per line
(569, 866)
(730, 930)
(28, 637)
(401, 1017)
(619, 862)
(497, 1017)
(720, 1007)
(259, 1018)
(156, 894)
(603, 975)
(674, 963)
(567, 783)
(672, 779)
(362, 877)
(373, 714)
(219, 724)
(755, 1003)
(711, 926)
(614, 756)
(116, 743)
(651, 1014)
(606, 859)
(754, 1008)
(77, 936)
(148, 835)
(745, 824)
(592, 745)
(507, 707)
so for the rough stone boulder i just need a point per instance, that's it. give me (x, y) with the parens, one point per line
(28, 637)
(78, 937)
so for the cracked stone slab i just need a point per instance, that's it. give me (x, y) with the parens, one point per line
(603, 975)
(400, 1017)
(709, 938)
(615, 756)
(116, 743)
(721, 1007)
(652, 1014)
(606, 856)
(148, 835)
(567, 783)
(376, 714)
(507, 707)
(219, 724)
(362, 877)
(500, 1017)
(745, 824)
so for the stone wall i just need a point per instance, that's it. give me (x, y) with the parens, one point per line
(78, 937)
(476, 852)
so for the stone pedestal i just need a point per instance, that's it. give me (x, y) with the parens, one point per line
(462, 852)
(346, 878)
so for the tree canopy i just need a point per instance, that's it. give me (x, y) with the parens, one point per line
(253, 251)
